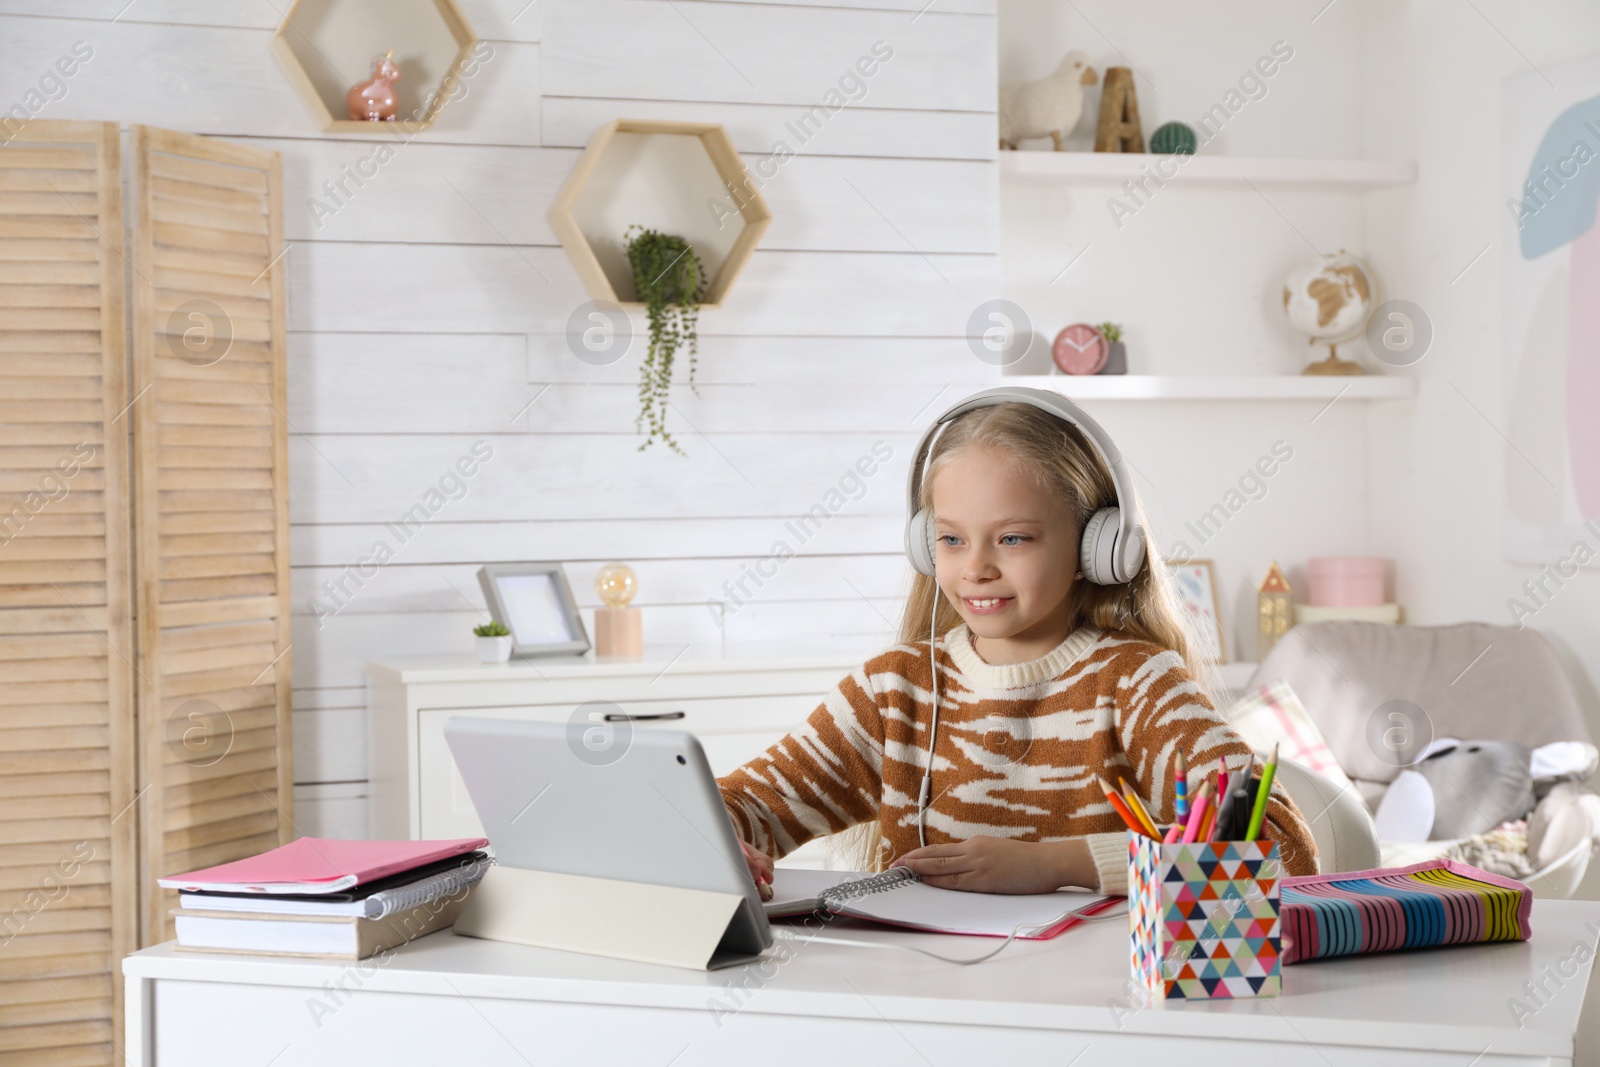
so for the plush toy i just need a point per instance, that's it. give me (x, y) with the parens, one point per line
(1568, 815)
(1460, 789)
(1049, 105)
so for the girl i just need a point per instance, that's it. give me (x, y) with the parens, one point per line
(1046, 683)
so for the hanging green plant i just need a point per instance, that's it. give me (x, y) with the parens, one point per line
(670, 280)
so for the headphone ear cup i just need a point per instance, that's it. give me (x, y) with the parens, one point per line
(919, 542)
(1133, 555)
(1097, 551)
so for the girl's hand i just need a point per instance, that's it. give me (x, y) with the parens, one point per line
(760, 865)
(990, 865)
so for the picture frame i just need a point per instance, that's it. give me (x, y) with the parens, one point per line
(1194, 582)
(534, 601)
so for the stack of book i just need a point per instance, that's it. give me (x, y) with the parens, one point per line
(329, 898)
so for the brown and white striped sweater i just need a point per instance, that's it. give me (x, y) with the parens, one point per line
(1018, 751)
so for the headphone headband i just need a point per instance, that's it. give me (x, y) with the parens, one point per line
(1126, 551)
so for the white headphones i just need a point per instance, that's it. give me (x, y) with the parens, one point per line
(1111, 547)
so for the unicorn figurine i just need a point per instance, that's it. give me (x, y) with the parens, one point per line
(374, 99)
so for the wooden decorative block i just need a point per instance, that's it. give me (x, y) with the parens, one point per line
(684, 178)
(211, 508)
(68, 893)
(326, 46)
(619, 631)
(1118, 130)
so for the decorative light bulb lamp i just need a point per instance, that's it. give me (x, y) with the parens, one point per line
(618, 629)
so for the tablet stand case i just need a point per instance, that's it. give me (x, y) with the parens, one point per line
(606, 917)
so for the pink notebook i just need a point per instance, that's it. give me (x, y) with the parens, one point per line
(313, 865)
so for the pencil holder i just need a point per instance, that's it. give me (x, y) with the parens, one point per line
(1204, 918)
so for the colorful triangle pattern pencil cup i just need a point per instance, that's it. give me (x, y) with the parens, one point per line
(1203, 917)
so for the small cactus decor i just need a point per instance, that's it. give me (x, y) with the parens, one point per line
(1173, 138)
(493, 643)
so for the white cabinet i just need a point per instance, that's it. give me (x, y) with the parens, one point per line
(735, 700)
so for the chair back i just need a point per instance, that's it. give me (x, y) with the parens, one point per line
(1470, 680)
(1347, 839)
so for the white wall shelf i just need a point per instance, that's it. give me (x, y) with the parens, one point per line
(1099, 168)
(1220, 387)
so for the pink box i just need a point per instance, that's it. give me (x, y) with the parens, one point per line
(1347, 581)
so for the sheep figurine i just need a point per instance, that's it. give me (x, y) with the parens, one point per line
(1051, 104)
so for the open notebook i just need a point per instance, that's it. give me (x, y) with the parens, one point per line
(899, 898)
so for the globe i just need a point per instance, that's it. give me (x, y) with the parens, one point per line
(1329, 300)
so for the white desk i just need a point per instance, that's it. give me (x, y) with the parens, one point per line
(457, 1001)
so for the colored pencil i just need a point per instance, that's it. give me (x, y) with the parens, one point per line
(1122, 808)
(1131, 795)
(1241, 788)
(1197, 814)
(1262, 791)
(1180, 786)
(1221, 816)
(1174, 832)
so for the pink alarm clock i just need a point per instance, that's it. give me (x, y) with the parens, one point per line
(1080, 349)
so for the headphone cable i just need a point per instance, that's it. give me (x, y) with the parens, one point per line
(933, 731)
(781, 933)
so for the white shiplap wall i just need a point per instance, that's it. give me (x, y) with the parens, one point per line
(430, 310)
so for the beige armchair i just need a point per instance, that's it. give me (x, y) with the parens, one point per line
(1340, 824)
(1379, 694)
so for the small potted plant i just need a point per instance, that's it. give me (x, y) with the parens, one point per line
(1116, 354)
(670, 281)
(494, 642)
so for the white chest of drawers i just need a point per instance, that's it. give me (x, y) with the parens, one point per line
(736, 700)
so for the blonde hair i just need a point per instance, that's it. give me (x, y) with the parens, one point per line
(1061, 461)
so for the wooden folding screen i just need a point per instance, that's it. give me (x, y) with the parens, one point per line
(67, 749)
(211, 517)
(96, 801)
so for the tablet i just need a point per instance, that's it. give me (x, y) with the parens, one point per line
(598, 797)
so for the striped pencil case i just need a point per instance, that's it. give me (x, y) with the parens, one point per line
(1439, 902)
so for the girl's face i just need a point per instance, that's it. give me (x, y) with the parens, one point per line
(1006, 553)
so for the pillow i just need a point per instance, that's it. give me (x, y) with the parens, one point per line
(1273, 715)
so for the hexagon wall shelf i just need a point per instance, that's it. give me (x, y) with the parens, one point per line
(683, 178)
(326, 46)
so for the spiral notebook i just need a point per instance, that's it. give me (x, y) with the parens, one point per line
(897, 897)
